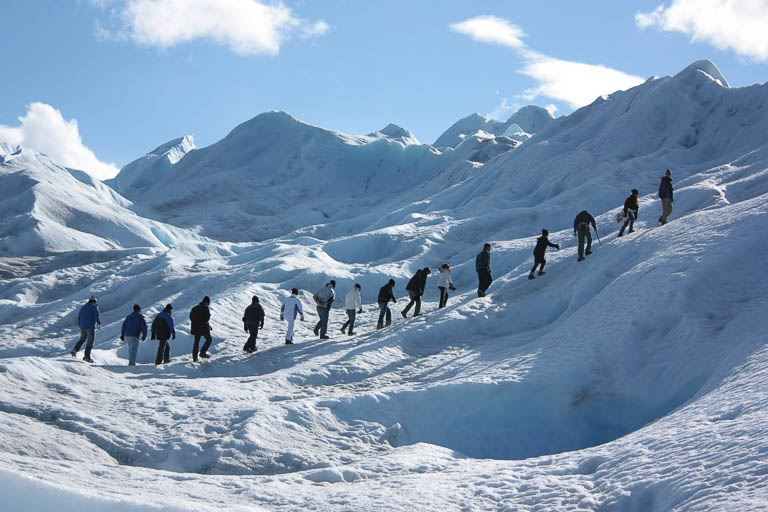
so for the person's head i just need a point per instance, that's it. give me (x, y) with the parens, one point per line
(332, 283)
(545, 232)
(206, 300)
(669, 173)
(254, 300)
(446, 266)
(92, 300)
(168, 308)
(294, 291)
(358, 286)
(391, 282)
(427, 270)
(635, 192)
(487, 246)
(137, 308)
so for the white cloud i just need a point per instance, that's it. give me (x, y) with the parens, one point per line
(576, 83)
(502, 110)
(44, 129)
(738, 25)
(247, 27)
(491, 29)
(551, 108)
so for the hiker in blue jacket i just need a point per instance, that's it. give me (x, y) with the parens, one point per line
(162, 331)
(87, 319)
(133, 327)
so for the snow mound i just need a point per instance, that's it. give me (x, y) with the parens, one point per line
(705, 68)
(50, 209)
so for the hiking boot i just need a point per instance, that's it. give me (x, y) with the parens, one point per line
(87, 359)
(194, 359)
(343, 331)
(168, 361)
(620, 234)
(660, 219)
(288, 342)
(480, 294)
(324, 337)
(588, 253)
(631, 231)
(417, 314)
(351, 333)
(541, 272)
(73, 353)
(316, 330)
(204, 356)
(379, 327)
(404, 314)
(581, 258)
(531, 276)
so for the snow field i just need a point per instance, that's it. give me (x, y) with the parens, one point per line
(635, 380)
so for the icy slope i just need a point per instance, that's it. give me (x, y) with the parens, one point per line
(635, 380)
(49, 209)
(274, 174)
(632, 381)
(154, 167)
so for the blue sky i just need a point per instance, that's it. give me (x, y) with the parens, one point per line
(137, 73)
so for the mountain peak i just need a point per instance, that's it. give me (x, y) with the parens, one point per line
(704, 67)
(397, 133)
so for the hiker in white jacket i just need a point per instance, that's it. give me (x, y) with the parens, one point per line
(352, 303)
(290, 309)
(445, 284)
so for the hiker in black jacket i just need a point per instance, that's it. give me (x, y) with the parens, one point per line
(666, 195)
(581, 227)
(199, 327)
(385, 295)
(253, 320)
(538, 253)
(415, 289)
(162, 331)
(483, 267)
(631, 207)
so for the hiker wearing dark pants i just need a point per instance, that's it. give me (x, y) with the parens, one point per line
(631, 207)
(199, 327)
(538, 253)
(483, 267)
(162, 331)
(323, 300)
(87, 319)
(253, 320)
(385, 296)
(445, 284)
(353, 303)
(666, 194)
(581, 228)
(415, 288)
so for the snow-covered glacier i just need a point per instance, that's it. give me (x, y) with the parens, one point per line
(633, 381)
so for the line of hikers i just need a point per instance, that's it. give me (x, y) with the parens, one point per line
(134, 326)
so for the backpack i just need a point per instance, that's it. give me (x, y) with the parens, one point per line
(162, 332)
